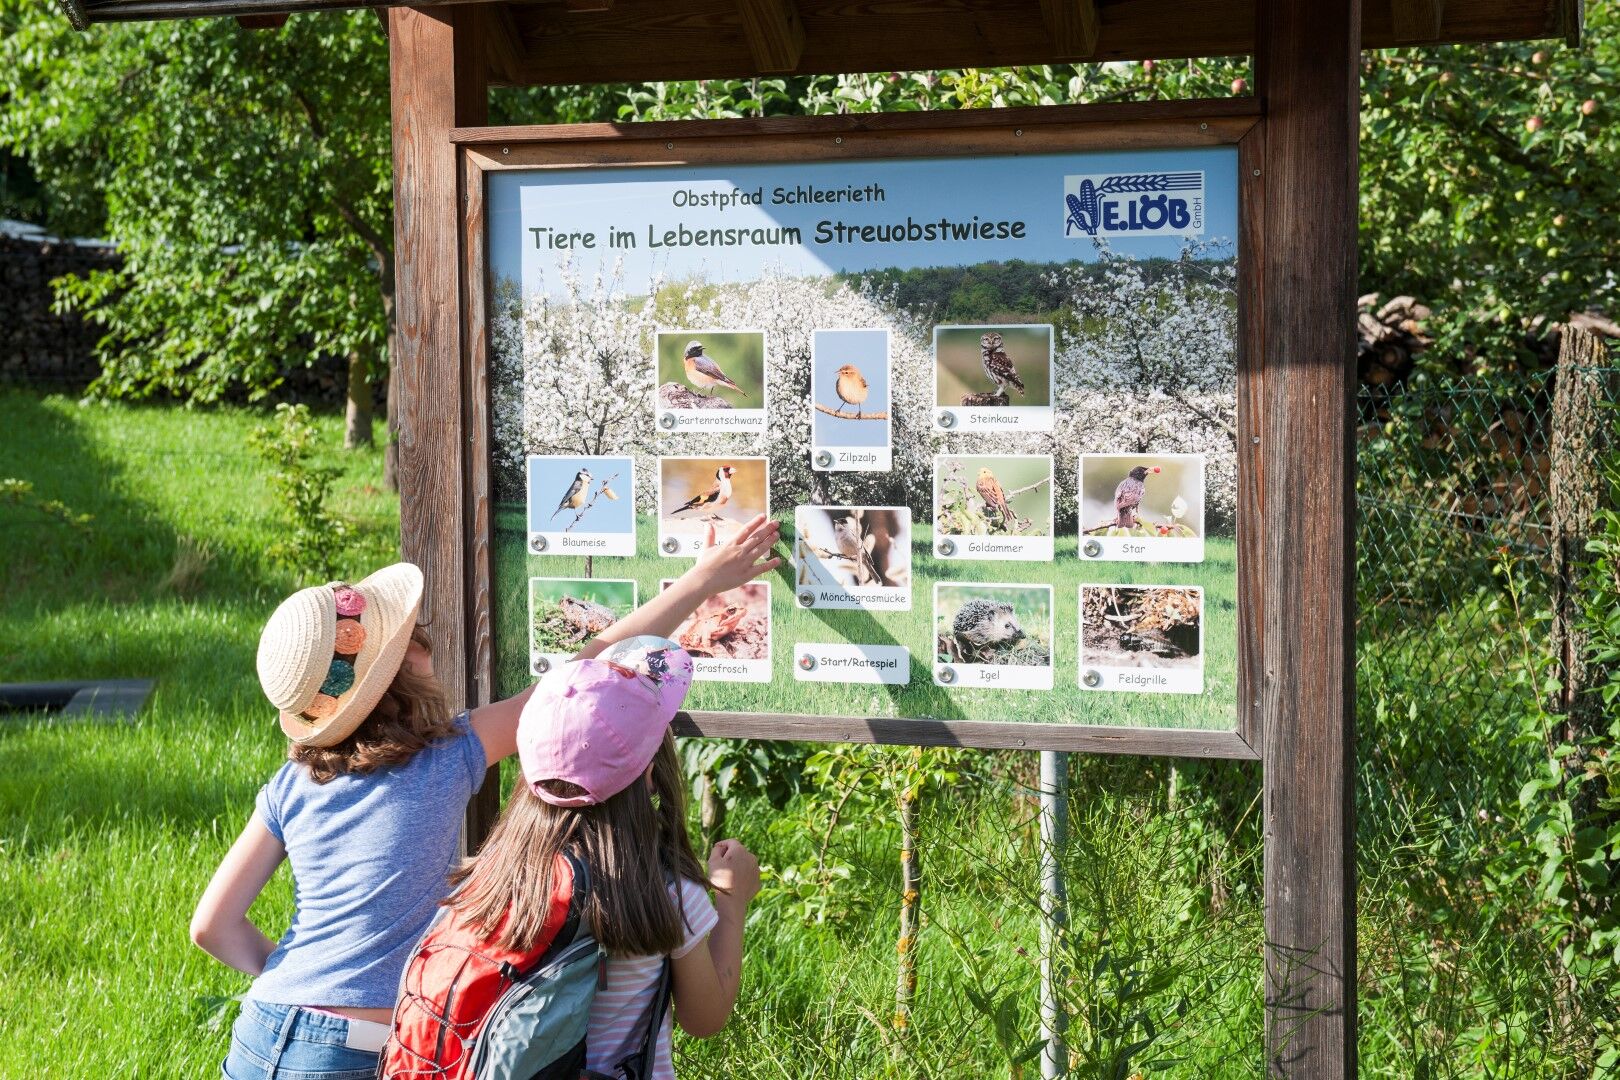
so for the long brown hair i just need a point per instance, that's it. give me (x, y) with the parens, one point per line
(411, 713)
(505, 890)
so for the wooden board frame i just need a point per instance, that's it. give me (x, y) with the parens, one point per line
(484, 150)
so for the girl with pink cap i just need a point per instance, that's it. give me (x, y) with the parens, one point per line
(369, 806)
(601, 782)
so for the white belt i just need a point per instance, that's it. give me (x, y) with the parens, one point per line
(366, 1035)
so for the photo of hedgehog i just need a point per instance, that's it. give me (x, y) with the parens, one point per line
(993, 624)
(1142, 626)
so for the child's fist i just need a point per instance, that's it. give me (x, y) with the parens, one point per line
(734, 871)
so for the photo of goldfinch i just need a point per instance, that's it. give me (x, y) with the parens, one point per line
(993, 366)
(711, 369)
(694, 493)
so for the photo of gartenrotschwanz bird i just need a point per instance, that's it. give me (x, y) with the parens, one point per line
(997, 364)
(576, 493)
(1128, 495)
(712, 497)
(704, 373)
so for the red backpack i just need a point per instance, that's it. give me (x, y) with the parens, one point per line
(470, 1010)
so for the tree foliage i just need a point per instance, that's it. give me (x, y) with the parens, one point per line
(245, 176)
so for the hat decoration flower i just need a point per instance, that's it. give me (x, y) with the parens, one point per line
(348, 638)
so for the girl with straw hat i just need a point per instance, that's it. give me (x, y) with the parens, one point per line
(368, 808)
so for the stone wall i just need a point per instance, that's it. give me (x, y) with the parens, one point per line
(54, 352)
(38, 346)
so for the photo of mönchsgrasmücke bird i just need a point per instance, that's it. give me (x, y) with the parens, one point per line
(575, 495)
(997, 364)
(703, 373)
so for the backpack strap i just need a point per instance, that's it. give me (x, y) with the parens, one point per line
(639, 1064)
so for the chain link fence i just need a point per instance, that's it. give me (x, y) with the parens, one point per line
(1464, 559)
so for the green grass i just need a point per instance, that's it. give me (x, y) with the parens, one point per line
(108, 831)
(1215, 708)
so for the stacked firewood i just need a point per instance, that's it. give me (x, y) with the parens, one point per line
(1389, 336)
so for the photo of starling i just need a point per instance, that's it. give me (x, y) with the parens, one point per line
(1128, 495)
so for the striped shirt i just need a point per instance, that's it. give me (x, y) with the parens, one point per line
(618, 1015)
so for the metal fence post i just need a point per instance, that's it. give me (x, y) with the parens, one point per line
(1054, 909)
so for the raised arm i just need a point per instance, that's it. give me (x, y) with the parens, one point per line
(718, 567)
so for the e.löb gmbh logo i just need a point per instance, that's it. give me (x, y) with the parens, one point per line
(1134, 204)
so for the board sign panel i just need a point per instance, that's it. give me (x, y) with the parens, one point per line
(991, 399)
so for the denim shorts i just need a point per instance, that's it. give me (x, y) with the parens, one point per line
(284, 1042)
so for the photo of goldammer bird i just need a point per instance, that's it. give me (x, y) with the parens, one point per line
(576, 493)
(997, 364)
(851, 388)
(995, 498)
(712, 497)
(1128, 495)
(704, 373)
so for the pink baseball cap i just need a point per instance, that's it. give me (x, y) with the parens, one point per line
(597, 723)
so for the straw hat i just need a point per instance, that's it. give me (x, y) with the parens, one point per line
(329, 652)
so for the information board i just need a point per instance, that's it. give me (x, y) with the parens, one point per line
(991, 399)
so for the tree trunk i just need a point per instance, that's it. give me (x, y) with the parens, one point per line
(910, 896)
(357, 412)
(391, 416)
(1583, 392)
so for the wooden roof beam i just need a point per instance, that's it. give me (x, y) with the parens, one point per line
(503, 42)
(775, 33)
(274, 20)
(1073, 26)
(1416, 20)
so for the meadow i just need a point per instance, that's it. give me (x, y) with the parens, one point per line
(109, 830)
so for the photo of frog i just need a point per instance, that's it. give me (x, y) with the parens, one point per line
(729, 636)
(566, 613)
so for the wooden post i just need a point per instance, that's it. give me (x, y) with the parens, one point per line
(1307, 59)
(438, 70)
(1584, 385)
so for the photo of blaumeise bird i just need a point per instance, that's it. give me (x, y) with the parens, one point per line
(712, 497)
(576, 493)
(704, 373)
(1128, 495)
(997, 364)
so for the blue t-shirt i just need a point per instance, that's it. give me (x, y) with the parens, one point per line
(370, 857)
